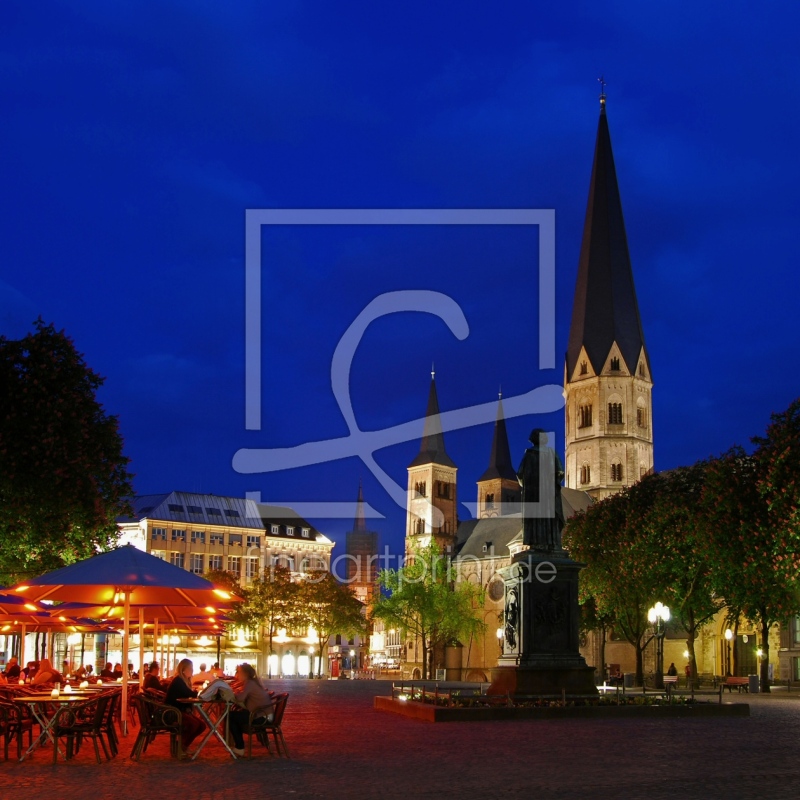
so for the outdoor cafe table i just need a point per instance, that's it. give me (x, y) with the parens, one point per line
(37, 704)
(205, 707)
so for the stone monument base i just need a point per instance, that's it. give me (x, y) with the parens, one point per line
(556, 680)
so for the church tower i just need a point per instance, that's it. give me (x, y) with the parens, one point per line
(607, 379)
(498, 487)
(432, 509)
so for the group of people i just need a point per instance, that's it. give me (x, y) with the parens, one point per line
(251, 697)
(34, 672)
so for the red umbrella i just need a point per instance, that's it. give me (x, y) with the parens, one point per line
(124, 574)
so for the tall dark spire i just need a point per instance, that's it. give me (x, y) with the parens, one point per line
(500, 460)
(431, 449)
(605, 308)
(360, 524)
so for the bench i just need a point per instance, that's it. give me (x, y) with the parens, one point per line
(670, 679)
(739, 683)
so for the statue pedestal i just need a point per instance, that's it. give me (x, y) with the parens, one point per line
(541, 643)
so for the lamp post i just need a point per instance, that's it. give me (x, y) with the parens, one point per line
(728, 637)
(311, 668)
(658, 616)
(500, 635)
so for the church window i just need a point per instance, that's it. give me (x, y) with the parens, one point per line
(419, 526)
(585, 420)
(421, 488)
(642, 471)
(586, 474)
(615, 413)
(641, 417)
(616, 472)
(490, 501)
(584, 368)
(641, 369)
(615, 364)
(443, 489)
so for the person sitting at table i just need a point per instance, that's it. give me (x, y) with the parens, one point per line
(107, 673)
(46, 673)
(253, 697)
(66, 670)
(117, 672)
(12, 670)
(181, 689)
(151, 679)
(216, 671)
(203, 676)
(80, 673)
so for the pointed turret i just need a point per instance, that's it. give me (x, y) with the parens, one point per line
(498, 488)
(605, 309)
(607, 380)
(360, 523)
(500, 465)
(431, 449)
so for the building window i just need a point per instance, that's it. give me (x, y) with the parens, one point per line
(235, 539)
(616, 472)
(586, 474)
(213, 512)
(641, 369)
(490, 501)
(178, 535)
(196, 563)
(274, 530)
(159, 554)
(254, 541)
(176, 509)
(230, 512)
(642, 471)
(641, 417)
(615, 413)
(235, 566)
(215, 562)
(585, 416)
(250, 567)
(306, 533)
(160, 533)
(615, 365)
(216, 538)
(584, 368)
(443, 489)
(421, 488)
(176, 559)
(198, 537)
(795, 631)
(289, 530)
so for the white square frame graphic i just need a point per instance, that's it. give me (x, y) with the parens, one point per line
(256, 218)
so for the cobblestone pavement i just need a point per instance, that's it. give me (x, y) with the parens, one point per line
(339, 745)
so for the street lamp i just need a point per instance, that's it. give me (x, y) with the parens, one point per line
(500, 639)
(311, 668)
(352, 664)
(728, 637)
(658, 616)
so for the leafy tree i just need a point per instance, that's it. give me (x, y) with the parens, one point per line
(63, 475)
(602, 623)
(425, 603)
(329, 607)
(676, 534)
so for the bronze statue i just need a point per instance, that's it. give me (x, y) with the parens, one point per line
(543, 517)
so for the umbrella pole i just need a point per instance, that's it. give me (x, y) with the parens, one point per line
(22, 662)
(155, 642)
(141, 645)
(125, 635)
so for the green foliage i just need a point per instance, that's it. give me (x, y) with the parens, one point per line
(426, 603)
(329, 607)
(63, 475)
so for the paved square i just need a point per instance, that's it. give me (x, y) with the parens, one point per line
(341, 747)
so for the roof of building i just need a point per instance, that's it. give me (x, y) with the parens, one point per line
(431, 449)
(285, 517)
(500, 465)
(605, 309)
(497, 533)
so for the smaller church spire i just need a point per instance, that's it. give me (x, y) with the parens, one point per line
(432, 449)
(360, 523)
(500, 465)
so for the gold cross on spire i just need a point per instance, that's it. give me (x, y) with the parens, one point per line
(602, 81)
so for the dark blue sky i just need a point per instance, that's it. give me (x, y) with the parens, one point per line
(135, 135)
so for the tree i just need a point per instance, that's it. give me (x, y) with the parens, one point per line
(329, 607)
(425, 603)
(272, 601)
(675, 527)
(63, 475)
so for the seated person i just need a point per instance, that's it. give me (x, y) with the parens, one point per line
(181, 687)
(80, 673)
(253, 697)
(216, 671)
(203, 676)
(12, 670)
(66, 670)
(107, 673)
(673, 670)
(89, 671)
(117, 671)
(151, 679)
(46, 673)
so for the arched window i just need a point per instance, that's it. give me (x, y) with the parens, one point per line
(615, 413)
(585, 416)
(641, 413)
(584, 368)
(586, 474)
(615, 365)
(616, 472)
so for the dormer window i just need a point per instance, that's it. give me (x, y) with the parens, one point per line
(584, 368)
(488, 547)
(615, 365)
(641, 369)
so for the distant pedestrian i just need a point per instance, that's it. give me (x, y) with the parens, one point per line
(673, 670)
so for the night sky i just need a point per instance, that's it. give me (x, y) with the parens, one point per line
(135, 134)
